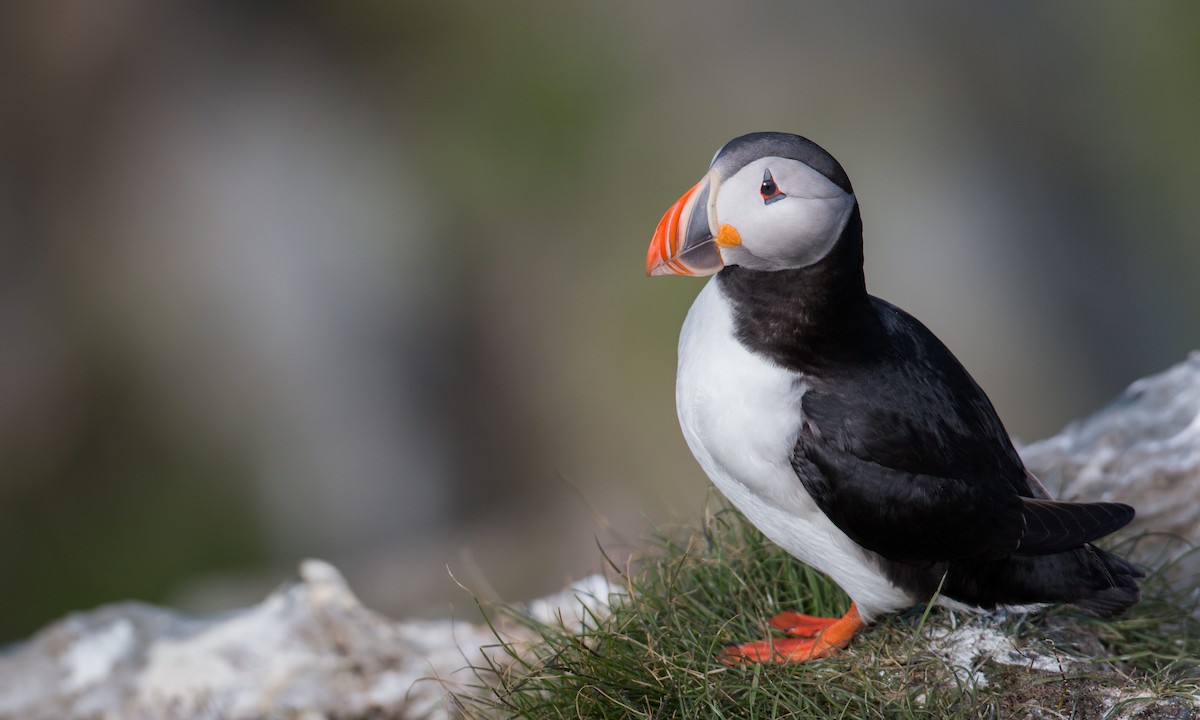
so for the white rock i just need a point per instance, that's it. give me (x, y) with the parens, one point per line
(577, 606)
(93, 657)
(309, 650)
(968, 645)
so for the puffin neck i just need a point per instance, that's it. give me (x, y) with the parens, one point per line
(799, 317)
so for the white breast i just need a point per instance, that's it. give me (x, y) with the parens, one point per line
(741, 414)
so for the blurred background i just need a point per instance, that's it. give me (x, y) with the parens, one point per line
(364, 280)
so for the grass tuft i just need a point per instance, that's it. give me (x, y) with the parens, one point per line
(653, 658)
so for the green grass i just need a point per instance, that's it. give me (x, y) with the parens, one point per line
(654, 656)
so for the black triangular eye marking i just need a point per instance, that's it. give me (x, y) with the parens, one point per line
(770, 190)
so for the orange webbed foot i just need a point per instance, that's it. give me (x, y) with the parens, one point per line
(813, 638)
(800, 625)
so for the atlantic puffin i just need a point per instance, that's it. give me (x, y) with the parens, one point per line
(842, 428)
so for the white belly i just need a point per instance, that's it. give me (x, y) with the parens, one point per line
(740, 415)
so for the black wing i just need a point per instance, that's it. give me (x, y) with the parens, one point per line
(906, 455)
(1052, 527)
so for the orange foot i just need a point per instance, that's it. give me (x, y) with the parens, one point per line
(800, 625)
(812, 638)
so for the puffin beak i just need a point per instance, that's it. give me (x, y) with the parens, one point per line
(684, 242)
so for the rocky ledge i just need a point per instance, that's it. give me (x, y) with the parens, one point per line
(311, 650)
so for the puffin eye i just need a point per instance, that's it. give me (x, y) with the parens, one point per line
(769, 190)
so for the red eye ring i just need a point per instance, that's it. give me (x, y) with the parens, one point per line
(770, 189)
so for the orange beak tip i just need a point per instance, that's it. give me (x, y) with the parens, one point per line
(671, 251)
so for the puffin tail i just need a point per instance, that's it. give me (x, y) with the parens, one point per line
(1087, 577)
(1122, 591)
(1057, 552)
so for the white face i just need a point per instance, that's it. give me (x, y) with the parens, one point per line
(792, 231)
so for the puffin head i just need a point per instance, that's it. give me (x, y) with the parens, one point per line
(770, 201)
